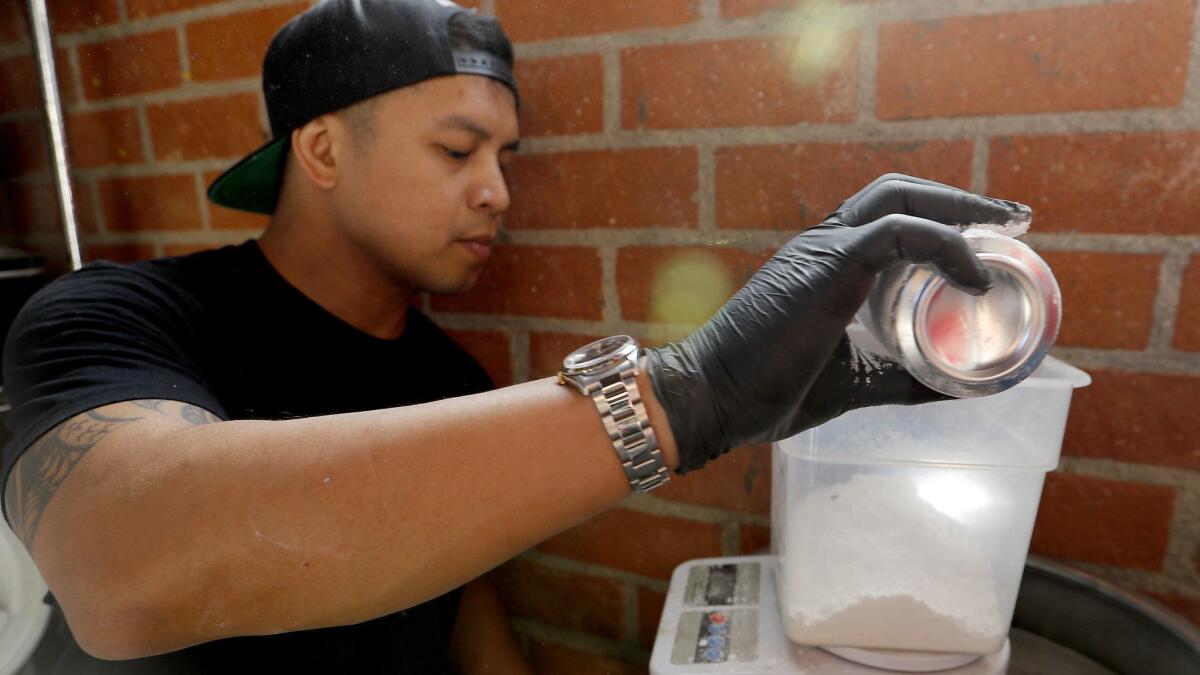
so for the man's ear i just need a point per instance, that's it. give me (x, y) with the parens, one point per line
(313, 150)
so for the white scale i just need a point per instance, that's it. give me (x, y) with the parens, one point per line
(722, 617)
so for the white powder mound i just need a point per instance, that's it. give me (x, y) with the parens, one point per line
(1013, 228)
(891, 571)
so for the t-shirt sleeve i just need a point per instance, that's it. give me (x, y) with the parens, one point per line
(104, 334)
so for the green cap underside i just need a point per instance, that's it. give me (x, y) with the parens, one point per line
(253, 183)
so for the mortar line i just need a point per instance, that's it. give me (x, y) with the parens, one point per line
(706, 189)
(608, 278)
(629, 597)
(166, 21)
(185, 65)
(122, 13)
(868, 70)
(76, 71)
(1166, 301)
(731, 539)
(1133, 580)
(574, 566)
(1130, 472)
(97, 207)
(1183, 539)
(1191, 89)
(487, 7)
(519, 343)
(202, 202)
(611, 96)
(979, 164)
(708, 10)
(583, 642)
(143, 121)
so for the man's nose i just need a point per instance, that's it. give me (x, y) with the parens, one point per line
(490, 192)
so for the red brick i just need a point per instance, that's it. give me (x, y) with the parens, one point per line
(681, 285)
(19, 82)
(12, 23)
(132, 65)
(755, 540)
(526, 20)
(34, 207)
(738, 481)
(1187, 324)
(1136, 417)
(185, 130)
(24, 147)
(141, 9)
(552, 659)
(122, 253)
(233, 46)
(650, 607)
(659, 546)
(547, 350)
(492, 349)
(1077, 58)
(150, 203)
(1140, 183)
(71, 15)
(578, 602)
(1108, 298)
(652, 187)
(790, 187)
(553, 281)
(561, 95)
(1104, 521)
(104, 137)
(1187, 607)
(735, 83)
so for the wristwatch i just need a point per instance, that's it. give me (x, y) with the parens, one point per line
(605, 370)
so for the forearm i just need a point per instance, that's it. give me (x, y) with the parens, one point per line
(257, 527)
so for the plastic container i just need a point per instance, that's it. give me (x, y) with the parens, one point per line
(908, 527)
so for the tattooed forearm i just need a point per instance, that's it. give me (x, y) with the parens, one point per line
(196, 415)
(42, 469)
(47, 463)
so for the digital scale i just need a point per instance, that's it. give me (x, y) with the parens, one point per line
(722, 616)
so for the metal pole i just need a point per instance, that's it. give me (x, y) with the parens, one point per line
(54, 120)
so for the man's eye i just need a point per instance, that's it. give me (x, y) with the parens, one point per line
(456, 154)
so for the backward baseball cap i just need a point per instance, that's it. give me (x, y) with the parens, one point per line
(334, 55)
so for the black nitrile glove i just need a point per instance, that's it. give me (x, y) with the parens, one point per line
(775, 360)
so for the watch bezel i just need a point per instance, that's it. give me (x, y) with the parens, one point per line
(600, 355)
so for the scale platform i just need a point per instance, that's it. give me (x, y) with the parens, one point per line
(722, 616)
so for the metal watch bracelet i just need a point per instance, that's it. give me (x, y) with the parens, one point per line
(624, 417)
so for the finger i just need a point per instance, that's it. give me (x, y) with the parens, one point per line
(858, 196)
(903, 237)
(944, 205)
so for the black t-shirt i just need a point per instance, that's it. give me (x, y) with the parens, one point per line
(223, 330)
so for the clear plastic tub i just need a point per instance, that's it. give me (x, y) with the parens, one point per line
(907, 527)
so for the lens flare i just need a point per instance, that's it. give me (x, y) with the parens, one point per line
(822, 32)
(689, 288)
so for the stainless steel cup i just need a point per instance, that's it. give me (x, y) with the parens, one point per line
(965, 345)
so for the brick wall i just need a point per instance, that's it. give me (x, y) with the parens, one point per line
(671, 145)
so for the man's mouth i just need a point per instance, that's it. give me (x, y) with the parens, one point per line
(480, 247)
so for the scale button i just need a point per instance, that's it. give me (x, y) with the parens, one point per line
(718, 629)
(713, 654)
(717, 617)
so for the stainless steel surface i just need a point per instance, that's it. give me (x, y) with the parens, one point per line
(1117, 630)
(54, 121)
(965, 345)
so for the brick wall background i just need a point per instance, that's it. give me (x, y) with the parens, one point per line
(670, 146)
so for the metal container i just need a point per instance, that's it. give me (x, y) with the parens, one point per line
(961, 344)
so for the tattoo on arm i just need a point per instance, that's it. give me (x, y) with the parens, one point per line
(42, 469)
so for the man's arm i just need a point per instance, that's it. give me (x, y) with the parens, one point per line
(483, 640)
(156, 531)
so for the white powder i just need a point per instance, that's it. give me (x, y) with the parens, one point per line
(890, 571)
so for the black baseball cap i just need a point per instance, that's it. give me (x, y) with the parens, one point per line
(334, 55)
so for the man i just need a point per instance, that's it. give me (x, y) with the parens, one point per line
(265, 457)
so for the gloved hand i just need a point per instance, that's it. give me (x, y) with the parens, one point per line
(775, 359)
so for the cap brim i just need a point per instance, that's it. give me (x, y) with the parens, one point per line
(253, 183)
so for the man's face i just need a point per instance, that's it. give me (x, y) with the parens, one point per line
(421, 193)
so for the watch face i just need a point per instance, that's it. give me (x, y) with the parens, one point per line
(599, 352)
